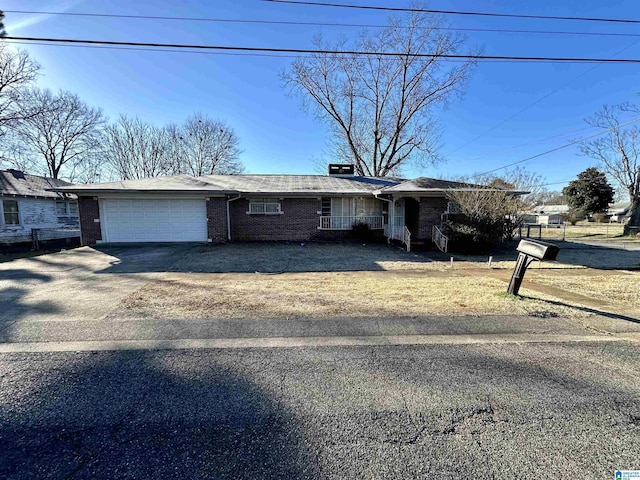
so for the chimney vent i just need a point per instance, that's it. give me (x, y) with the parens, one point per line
(341, 170)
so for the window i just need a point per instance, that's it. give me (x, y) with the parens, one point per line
(61, 209)
(264, 205)
(66, 210)
(326, 207)
(11, 213)
(342, 207)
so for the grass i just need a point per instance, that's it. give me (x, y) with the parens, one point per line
(617, 288)
(327, 295)
(583, 230)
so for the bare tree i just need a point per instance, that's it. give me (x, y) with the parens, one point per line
(134, 149)
(205, 146)
(619, 153)
(17, 72)
(380, 108)
(492, 207)
(62, 135)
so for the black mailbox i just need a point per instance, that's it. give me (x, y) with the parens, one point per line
(529, 251)
(538, 250)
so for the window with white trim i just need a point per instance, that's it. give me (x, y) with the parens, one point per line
(11, 212)
(265, 206)
(66, 210)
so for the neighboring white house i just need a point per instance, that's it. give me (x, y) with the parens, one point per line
(619, 212)
(26, 204)
(547, 214)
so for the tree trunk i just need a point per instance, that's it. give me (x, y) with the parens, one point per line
(632, 227)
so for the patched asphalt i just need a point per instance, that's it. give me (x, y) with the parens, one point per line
(476, 411)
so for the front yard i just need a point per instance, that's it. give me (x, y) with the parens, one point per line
(354, 280)
(327, 295)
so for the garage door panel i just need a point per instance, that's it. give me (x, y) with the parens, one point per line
(154, 220)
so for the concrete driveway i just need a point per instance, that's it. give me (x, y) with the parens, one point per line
(82, 284)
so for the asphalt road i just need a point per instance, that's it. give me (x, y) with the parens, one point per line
(478, 411)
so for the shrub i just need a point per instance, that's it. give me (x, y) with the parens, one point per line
(361, 232)
(574, 215)
(599, 217)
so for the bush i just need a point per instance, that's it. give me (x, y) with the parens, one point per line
(599, 217)
(361, 232)
(468, 236)
(573, 216)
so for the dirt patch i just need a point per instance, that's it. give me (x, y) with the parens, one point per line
(325, 295)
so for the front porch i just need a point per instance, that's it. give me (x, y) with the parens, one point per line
(405, 219)
(374, 222)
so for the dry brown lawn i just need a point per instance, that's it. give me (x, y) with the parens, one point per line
(618, 288)
(326, 295)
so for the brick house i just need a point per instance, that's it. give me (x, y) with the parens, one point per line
(27, 204)
(221, 208)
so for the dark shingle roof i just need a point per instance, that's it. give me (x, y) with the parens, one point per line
(14, 182)
(275, 185)
(245, 184)
(425, 184)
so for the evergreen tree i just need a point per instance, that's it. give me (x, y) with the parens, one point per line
(590, 193)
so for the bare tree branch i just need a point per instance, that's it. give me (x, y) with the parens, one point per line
(17, 72)
(618, 153)
(62, 133)
(381, 109)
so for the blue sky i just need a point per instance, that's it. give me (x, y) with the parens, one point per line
(278, 137)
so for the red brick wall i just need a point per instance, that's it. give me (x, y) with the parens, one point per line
(217, 219)
(430, 213)
(298, 222)
(89, 211)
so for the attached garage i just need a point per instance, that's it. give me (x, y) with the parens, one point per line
(150, 220)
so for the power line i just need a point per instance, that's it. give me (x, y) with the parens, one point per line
(637, 119)
(205, 52)
(560, 182)
(323, 51)
(539, 100)
(455, 12)
(316, 24)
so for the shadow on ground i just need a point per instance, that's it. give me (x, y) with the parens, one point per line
(120, 415)
(13, 307)
(482, 412)
(240, 257)
(605, 256)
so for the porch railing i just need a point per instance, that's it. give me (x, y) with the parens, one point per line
(440, 239)
(347, 223)
(399, 233)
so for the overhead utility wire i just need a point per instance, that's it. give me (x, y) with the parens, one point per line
(322, 51)
(455, 12)
(541, 99)
(637, 119)
(205, 52)
(318, 24)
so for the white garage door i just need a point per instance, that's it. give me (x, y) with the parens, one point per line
(154, 220)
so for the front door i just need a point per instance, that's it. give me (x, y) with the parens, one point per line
(412, 215)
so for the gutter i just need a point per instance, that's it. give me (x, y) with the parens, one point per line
(229, 216)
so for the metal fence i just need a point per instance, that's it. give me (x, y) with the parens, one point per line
(567, 232)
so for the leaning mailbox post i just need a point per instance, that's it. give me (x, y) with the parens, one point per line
(528, 252)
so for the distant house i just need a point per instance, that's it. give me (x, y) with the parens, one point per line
(547, 214)
(619, 212)
(221, 208)
(26, 203)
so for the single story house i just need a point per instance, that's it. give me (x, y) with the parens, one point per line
(619, 212)
(221, 208)
(547, 214)
(27, 203)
